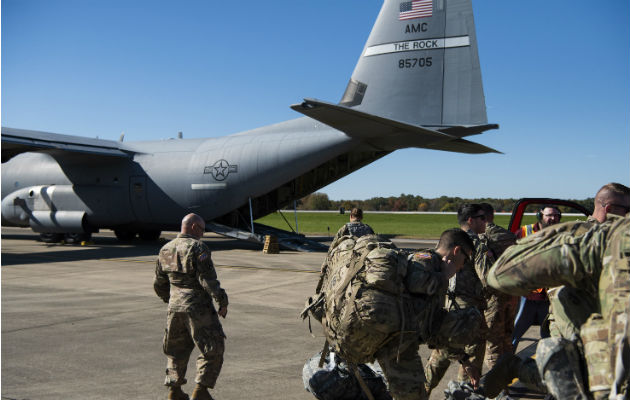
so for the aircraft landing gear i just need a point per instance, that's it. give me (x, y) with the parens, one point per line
(128, 236)
(124, 236)
(71, 238)
(49, 237)
(77, 238)
(149, 236)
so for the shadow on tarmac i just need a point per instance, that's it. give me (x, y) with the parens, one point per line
(109, 247)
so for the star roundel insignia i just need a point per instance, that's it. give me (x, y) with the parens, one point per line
(221, 169)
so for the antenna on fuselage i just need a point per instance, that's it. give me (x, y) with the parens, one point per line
(122, 136)
(180, 135)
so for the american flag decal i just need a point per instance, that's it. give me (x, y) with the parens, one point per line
(415, 9)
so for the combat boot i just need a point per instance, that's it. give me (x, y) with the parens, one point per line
(201, 393)
(503, 373)
(176, 393)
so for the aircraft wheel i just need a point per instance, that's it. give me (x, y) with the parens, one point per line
(49, 237)
(77, 237)
(149, 236)
(124, 236)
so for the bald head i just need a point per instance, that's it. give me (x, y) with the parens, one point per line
(613, 198)
(193, 225)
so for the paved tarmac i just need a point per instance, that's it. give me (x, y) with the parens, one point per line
(83, 321)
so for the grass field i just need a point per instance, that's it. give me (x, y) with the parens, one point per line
(425, 226)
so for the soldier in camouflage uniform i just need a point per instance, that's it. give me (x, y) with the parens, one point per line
(427, 281)
(355, 227)
(570, 307)
(465, 290)
(185, 278)
(501, 307)
(390, 304)
(596, 260)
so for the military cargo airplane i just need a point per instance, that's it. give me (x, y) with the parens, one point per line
(417, 84)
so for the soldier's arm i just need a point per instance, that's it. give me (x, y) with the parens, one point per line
(547, 259)
(483, 261)
(161, 284)
(207, 276)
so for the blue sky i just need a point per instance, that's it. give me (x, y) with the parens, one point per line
(556, 78)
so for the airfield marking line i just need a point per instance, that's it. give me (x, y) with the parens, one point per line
(226, 266)
(81, 319)
(153, 261)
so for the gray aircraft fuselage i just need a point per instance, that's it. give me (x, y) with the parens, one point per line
(417, 84)
(166, 179)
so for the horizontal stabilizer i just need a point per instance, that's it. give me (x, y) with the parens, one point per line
(383, 133)
(463, 131)
(16, 141)
(463, 146)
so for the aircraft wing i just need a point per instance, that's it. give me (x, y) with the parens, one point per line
(387, 134)
(16, 141)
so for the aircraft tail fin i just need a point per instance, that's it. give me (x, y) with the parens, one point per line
(420, 66)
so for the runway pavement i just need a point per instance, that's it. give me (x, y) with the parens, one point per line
(83, 321)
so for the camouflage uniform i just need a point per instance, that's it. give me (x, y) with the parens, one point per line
(185, 278)
(355, 228)
(399, 358)
(465, 291)
(598, 263)
(501, 307)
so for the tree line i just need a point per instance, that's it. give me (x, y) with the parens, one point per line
(408, 202)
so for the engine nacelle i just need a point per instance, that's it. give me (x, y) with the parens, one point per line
(55, 209)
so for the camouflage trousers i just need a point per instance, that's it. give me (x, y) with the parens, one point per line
(184, 330)
(441, 358)
(500, 313)
(404, 374)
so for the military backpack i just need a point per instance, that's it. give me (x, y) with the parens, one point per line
(360, 300)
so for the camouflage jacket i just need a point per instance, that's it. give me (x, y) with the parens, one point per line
(427, 285)
(498, 238)
(185, 276)
(438, 328)
(424, 274)
(591, 257)
(467, 286)
(356, 229)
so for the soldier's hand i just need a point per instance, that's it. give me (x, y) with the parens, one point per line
(473, 373)
(223, 311)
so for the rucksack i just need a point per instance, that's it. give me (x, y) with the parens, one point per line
(334, 380)
(362, 296)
